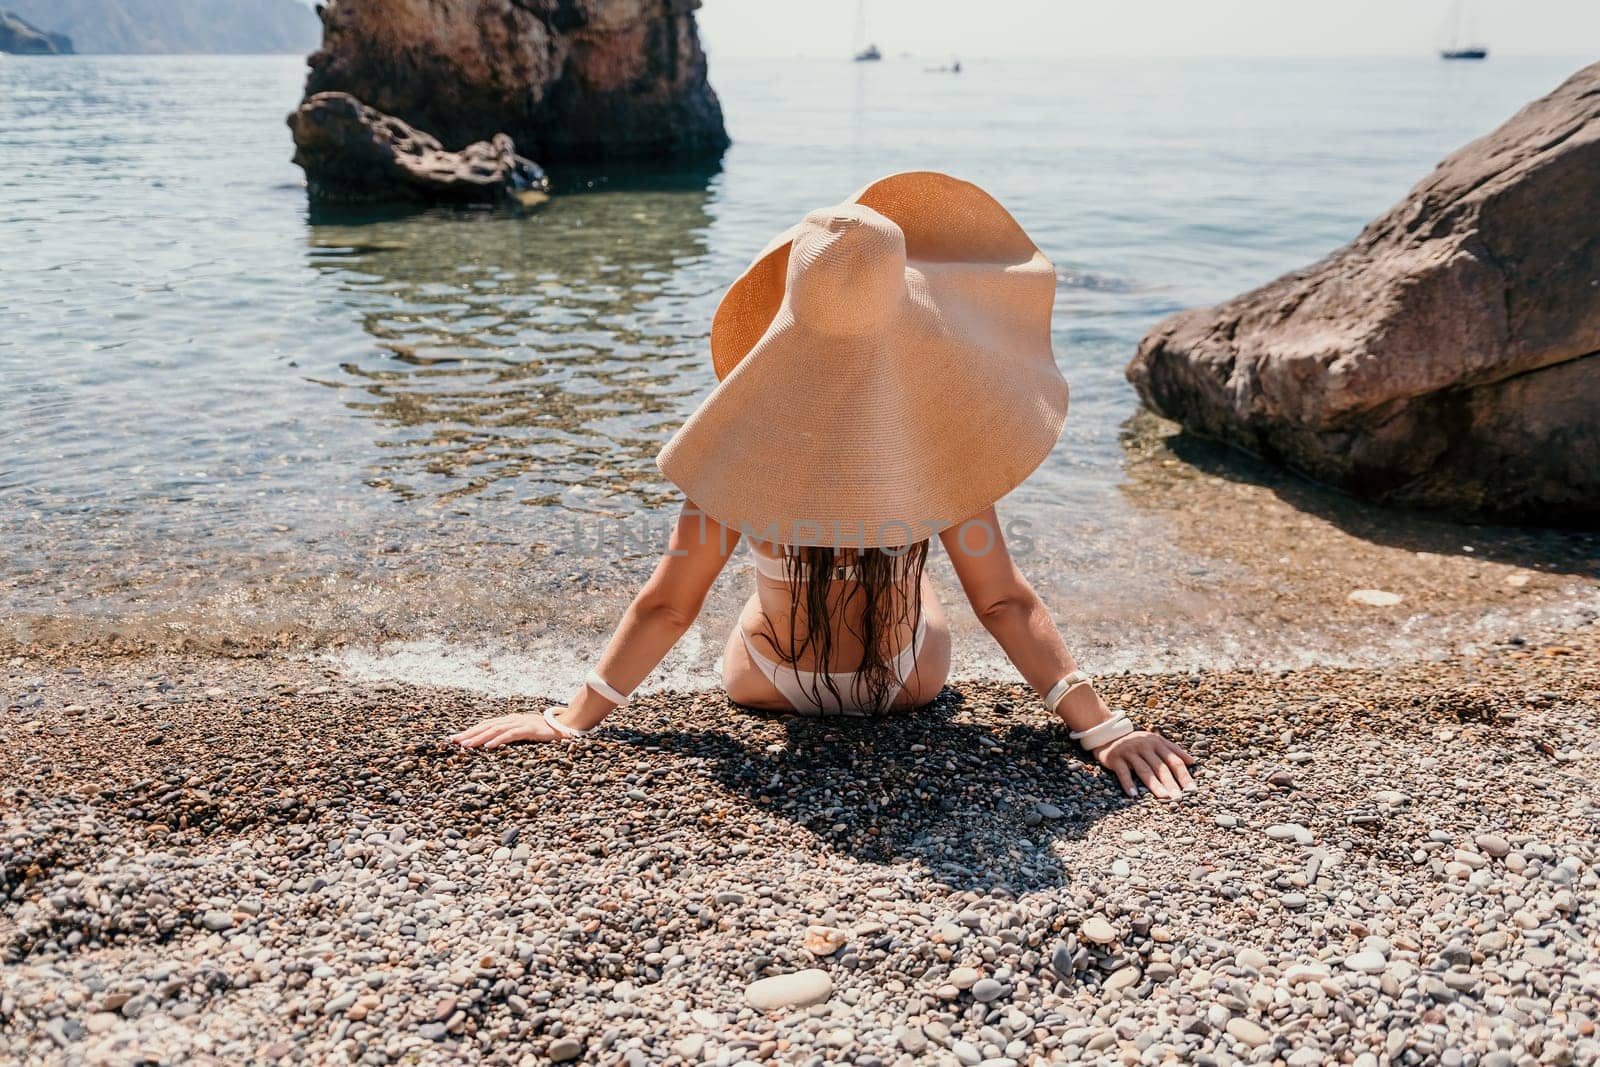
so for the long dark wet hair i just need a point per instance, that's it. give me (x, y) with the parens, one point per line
(887, 584)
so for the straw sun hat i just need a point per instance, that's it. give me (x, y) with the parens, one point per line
(885, 372)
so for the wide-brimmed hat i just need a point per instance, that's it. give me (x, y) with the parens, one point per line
(886, 372)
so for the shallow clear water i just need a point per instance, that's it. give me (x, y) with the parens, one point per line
(225, 416)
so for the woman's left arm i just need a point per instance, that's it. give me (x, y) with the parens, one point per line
(661, 613)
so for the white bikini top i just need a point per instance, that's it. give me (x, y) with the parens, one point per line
(778, 569)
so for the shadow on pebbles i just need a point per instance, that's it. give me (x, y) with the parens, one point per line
(209, 860)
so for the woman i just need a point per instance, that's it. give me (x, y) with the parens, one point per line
(885, 375)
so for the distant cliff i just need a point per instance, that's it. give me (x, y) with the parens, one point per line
(22, 38)
(176, 25)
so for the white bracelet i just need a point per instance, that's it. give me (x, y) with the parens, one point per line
(560, 727)
(1059, 691)
(1103, 734)
(598, 684)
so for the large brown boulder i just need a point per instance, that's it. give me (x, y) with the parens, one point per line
(567, 80)
(1448, 358)
(352, 152)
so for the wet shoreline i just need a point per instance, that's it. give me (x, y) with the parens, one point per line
(1216, 561)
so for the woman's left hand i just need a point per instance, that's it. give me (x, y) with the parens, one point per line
(1162, 766)
(506, 730)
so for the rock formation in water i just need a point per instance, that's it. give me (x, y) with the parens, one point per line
(1448, 358)
(20, 37)
(236, 26)
(566, 80)
(356, 153)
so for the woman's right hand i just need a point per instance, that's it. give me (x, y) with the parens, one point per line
(506, 730)
(1162, 766)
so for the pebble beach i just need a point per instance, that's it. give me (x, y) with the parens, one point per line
(213, 860)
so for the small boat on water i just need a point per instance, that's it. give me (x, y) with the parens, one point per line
(870, 53)
(1457, 50)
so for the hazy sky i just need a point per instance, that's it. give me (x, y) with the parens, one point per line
(938, 28)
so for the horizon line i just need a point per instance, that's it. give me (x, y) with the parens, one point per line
(1430, 53)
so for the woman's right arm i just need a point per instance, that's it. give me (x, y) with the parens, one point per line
(1015, 616)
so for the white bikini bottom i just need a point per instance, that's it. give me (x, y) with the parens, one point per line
(802, 689)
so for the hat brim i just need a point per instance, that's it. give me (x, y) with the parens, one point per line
(888, 436)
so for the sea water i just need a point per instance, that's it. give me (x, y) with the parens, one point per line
(229, 418)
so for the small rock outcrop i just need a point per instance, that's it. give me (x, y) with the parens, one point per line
(19, 37)
(1448, 358)
(566, 80)
(355, 153)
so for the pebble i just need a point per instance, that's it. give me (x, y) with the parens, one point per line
(1122, 978)
(101, 1021)
(1366, 962)
(563, 1049)
(1493, 845)
(824, 940)
(1250, 1033)
(1252, 958)
(1290, 831)
(987, 990)
(912, 1039)
(1097, 931)
(1298, 973)
(966, 1053)
(216, 921)
(793, 990)
(1377, 598)
(339, 1003)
